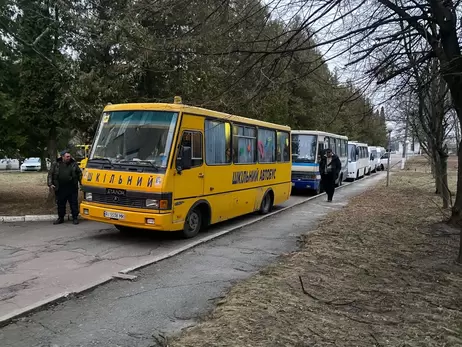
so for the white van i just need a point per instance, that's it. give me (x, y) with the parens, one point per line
(358, 160)
(374, 158)
(380, 152)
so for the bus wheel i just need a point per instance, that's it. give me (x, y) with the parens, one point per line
(192, 224)
(266, 203)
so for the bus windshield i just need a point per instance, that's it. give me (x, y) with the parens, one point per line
(304, 148)
(135, 137)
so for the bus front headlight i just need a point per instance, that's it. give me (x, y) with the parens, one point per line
(151, 203)
(89, 196)
(157, 204)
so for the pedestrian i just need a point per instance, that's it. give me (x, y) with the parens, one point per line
(64, 178)
(329, 167)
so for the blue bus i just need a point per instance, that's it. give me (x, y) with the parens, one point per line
(307, 147)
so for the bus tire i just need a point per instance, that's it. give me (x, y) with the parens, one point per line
(266, 203)
(193, 223)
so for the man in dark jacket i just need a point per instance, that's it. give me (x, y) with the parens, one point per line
(329, 168)
(64, 178)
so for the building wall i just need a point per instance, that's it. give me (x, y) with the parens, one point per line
(410, 150)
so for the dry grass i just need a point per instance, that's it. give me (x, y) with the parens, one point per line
(24, 193)
(380, 272)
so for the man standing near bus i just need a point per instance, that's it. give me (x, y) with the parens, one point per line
(329, 167)
(64, 178)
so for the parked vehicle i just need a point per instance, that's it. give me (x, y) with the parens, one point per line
(180, 168)
(34, 164)
(83, 152)
(374, 159)
(307, 146)
(380, 152)
(358, 160)
(384, 160)
(9, 164)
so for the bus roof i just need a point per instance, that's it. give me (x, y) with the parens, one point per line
(357, 143)
(316, 132)
(192, 110)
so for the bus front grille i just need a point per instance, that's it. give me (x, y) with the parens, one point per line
(303, 176)
(119, 200)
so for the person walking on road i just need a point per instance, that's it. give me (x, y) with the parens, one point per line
(64, 178)
(329, 167)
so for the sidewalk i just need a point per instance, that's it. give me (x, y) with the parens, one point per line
(172, 294)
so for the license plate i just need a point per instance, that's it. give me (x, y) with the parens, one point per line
(114, 215)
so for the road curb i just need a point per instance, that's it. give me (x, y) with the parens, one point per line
(31, 218)
(7, 319)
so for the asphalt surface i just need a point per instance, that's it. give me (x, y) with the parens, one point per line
(40, 261)
(164, 298)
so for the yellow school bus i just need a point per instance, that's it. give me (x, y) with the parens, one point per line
(83, 151)
(181, 168)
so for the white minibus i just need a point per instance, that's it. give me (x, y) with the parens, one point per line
(358, 160)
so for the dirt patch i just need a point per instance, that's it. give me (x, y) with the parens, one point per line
(24, 193)
(380, 272)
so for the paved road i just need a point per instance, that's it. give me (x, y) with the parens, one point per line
(40, 262)
(166, 296)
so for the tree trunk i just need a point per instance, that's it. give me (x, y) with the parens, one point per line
(438, 173)
(43, 161)
(456, 216)
(444, 192)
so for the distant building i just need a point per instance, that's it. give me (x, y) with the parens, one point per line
(413, 148)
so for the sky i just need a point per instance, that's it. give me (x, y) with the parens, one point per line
(336, 60)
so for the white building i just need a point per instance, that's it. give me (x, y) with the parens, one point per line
(413, 148)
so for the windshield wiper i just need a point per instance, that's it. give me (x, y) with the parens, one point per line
(100, 160)
(136, 163)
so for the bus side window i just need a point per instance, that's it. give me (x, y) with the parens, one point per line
(193, 139)
(266, 147)
(244, 144)
(217, 142)
(283, 146)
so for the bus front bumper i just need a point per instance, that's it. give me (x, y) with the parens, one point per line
(117, 216)
(306, 184)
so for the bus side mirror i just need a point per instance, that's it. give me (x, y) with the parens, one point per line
(184, 160)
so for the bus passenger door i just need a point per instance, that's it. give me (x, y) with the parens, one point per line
(189, 179)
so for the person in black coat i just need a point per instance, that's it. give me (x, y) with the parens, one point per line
(329, 168)
(64, 178)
